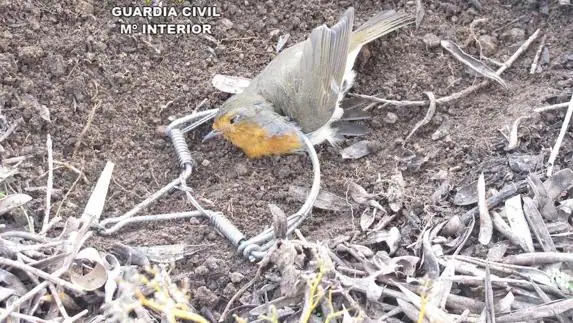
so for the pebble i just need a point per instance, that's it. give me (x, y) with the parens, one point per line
(56, 65)
(225, 24)
(241, 169)
(8, 64)
(390, 118)
(229, 290)
(205, 296)
(274, 33)
(488, 44)
(84, 8)
(29, 54)
(442, 131)
(295, 22)
(524, 163)
(513, 35)
(201, 271)
(568, 61)
(205, 163)
(431, 40)
(212, 264)
(212, 236)
(236, 277)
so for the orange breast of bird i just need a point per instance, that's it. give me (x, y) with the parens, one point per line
(255, 141)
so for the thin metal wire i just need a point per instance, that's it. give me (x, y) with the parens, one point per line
(150, 218)
(138, 208)
(204, 115)
(252, 249)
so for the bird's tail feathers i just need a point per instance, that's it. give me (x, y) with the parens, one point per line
(381, 24)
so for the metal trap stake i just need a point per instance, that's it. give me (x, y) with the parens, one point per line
(252, 249)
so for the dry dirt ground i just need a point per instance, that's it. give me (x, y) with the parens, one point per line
(69, 56)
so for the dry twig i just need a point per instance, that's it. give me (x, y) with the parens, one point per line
(564, 127)
(552, 107)
(85, 129)
(429, 115)
(50, 184)
(533, 69)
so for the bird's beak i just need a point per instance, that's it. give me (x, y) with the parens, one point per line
(211, 135)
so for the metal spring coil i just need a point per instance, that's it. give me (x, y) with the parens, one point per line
(228, 229)
(181, 148)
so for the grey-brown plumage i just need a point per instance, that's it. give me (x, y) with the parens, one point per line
(307, 81)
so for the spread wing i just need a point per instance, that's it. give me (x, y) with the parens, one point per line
(303, 81)
(321, 71)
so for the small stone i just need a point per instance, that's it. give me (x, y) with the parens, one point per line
(568, 61)
(524, 163)
(84, 8)
(241, 169)
(229, 290)
(453, 227)
(225, 24)
(488, 44)
(513, 35)
(30, 54)
(161, 130)
(205, 296)
(274, 33)
(205, 163)
(212, 264)
(443, 130)
(201, 271)
(8, 64)
(390, 118)
(431, 40)
(56, 64)
(212, 236)
(259, 25)
(236, 277)
(26, 85)
(295, 22)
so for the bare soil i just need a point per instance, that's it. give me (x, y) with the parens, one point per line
(70, 56)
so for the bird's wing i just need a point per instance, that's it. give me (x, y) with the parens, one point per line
(303, 81)
(321, 72)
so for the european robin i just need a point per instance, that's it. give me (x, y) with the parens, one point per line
(299, 92)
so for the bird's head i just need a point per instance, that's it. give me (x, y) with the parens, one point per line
(255, 128)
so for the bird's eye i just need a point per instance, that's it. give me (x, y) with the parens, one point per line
(234, 119)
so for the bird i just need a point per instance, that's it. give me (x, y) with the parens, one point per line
(299, 92)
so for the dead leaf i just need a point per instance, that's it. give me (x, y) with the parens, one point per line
(13, 201)
(517, 222)
(391, 237)
(357, 150)
(485, 223)
(471, 62)
(325, 200)
(230, 84)
(359, 194)
(466, 195)
(282, 42)
(558, 183)
(367, 219)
